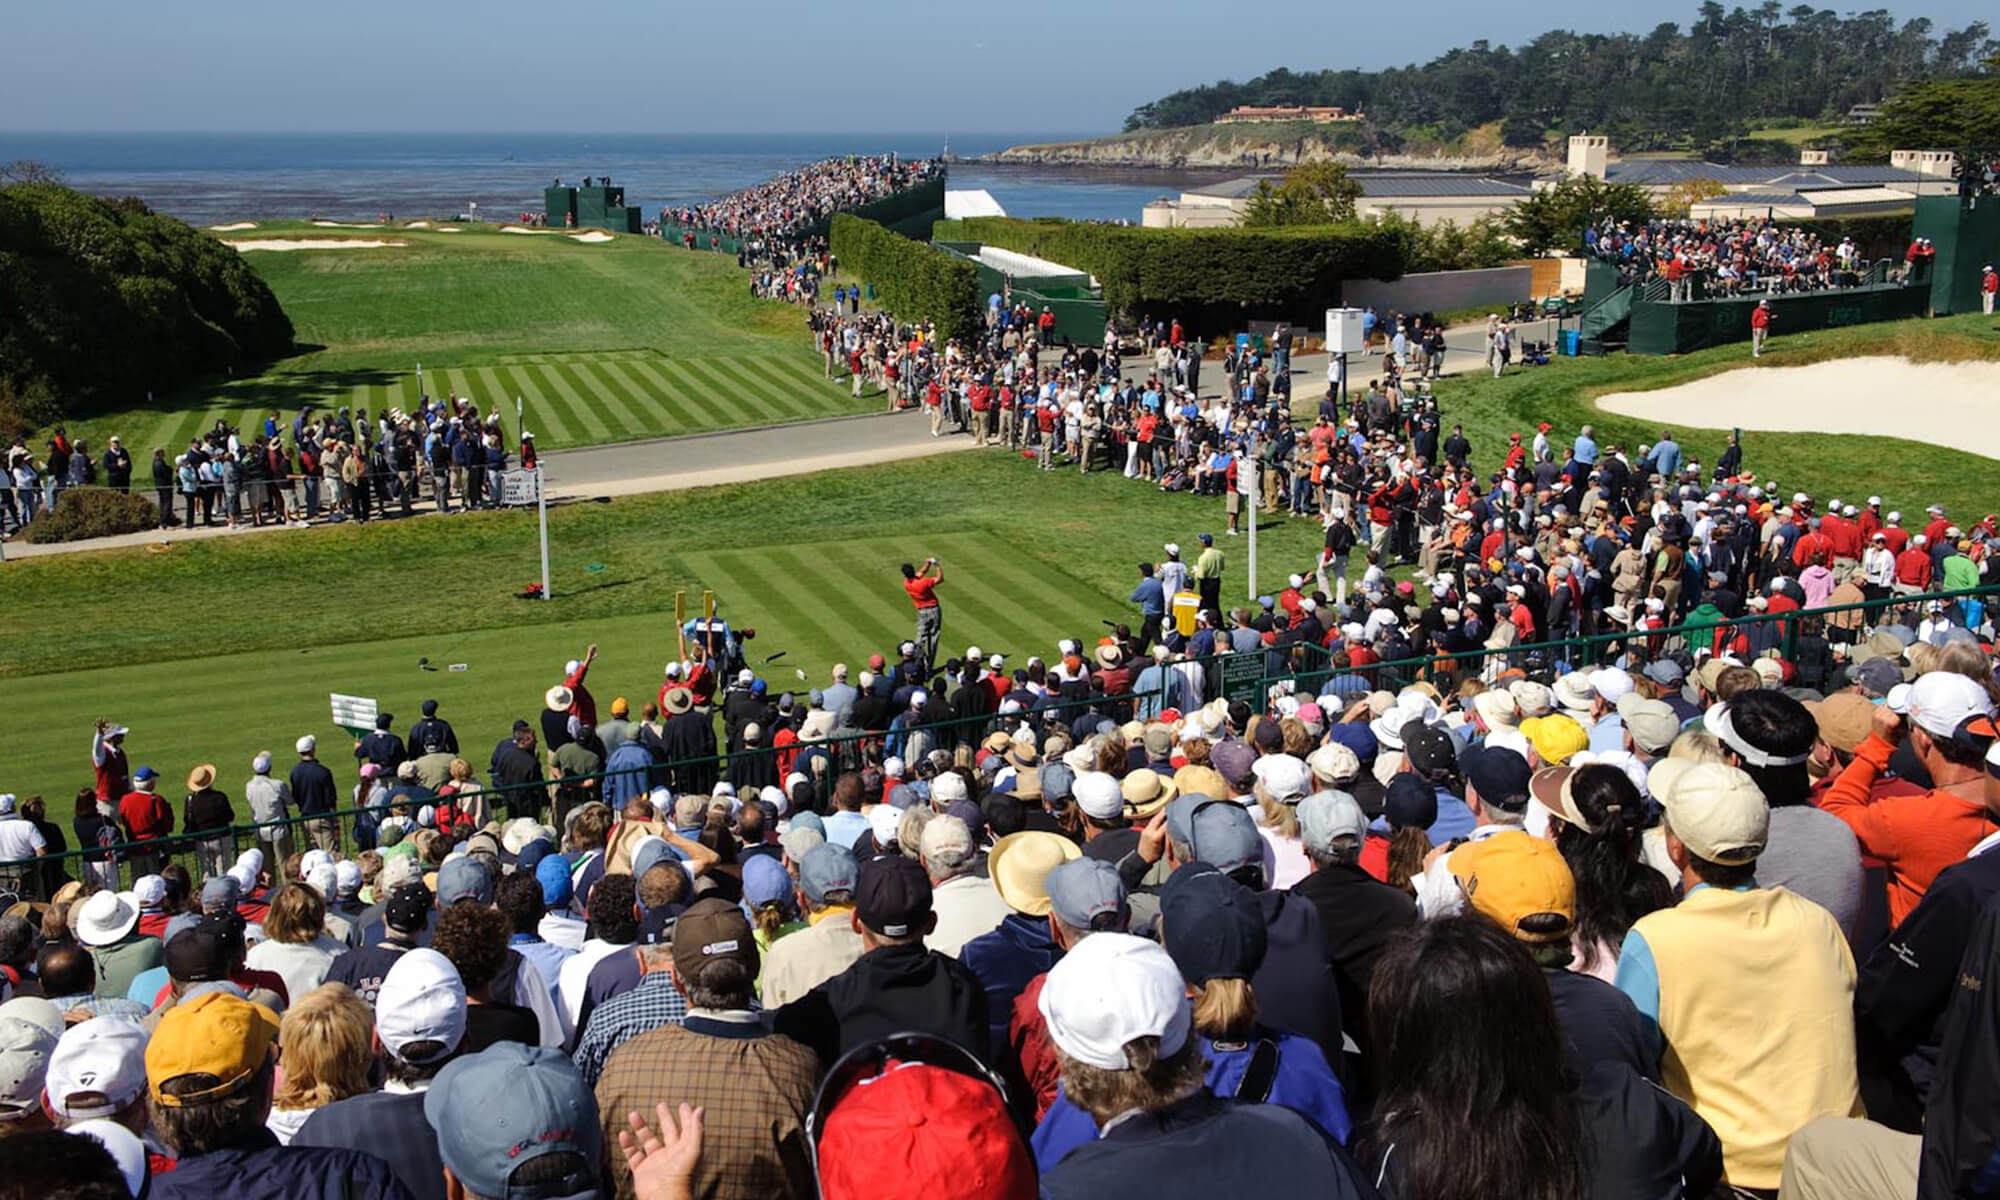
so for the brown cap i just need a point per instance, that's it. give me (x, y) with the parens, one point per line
(1844, 719)
(712, 929)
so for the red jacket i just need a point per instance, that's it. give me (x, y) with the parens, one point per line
(1913, 567)
(145, 815)
(1028, 1038)
(1760, 318)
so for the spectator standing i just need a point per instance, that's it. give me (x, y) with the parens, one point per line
(312, 787)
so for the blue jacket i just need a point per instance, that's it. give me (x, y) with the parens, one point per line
(264, 1170)
(1304, 1083)
(1006, 961)
(1150, 597)
(1202, 1148)
(628, 766)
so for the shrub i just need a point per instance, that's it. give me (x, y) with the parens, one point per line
(1222, 272)
(916, 282)
(103, 300)
(92, 513)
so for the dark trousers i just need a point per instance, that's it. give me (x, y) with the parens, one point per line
(1211, 594)
(357, 493)
(164, 497)
(1149, 630)
(475, 487)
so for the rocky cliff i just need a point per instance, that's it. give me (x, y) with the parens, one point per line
(1275, 146)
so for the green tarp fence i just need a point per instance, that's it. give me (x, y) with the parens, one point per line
(1666, 328)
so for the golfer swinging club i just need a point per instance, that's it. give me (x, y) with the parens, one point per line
(922, 587)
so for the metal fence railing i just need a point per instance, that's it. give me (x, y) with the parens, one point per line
(1806, 638)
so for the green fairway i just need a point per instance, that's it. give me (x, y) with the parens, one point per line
(215, 649)
(602, 341)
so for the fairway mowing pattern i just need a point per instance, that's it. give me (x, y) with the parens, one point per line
(571, 399)
(823, 602)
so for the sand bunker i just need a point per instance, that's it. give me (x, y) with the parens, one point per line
(1947, 404)
(518, 229)
(416, 224)
(313, 244)
(595, 235)
(447, 229)
(234, 226)
(348, 224)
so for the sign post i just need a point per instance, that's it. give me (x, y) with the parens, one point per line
(1243, 678)
(542, 516)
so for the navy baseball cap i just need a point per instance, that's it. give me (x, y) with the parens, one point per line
(1211, 925)
(508, 1105)
(1499, 775)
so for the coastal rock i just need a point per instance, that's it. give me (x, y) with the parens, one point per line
(1260, 148)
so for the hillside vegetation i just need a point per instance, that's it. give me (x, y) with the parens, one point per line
(1705, 84)
(103, 300)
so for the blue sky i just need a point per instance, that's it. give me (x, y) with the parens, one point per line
(794, 65)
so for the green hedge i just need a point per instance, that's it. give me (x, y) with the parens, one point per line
(92, 513)
(1261, 272)
(102, 301)
(915, 281)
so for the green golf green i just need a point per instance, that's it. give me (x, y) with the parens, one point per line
(602, 341)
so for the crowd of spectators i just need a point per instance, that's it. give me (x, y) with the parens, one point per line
(1083, 928)
(1727, 256)
(325, 464)
(788, 205)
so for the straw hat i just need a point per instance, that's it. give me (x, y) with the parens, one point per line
(558, 698)
(1146, 792)
(201, 777)
(1019, 865)
(679, 700)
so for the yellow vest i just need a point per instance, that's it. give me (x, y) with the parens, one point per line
(1757, 1006)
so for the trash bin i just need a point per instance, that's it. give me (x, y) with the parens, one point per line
(1572, 339)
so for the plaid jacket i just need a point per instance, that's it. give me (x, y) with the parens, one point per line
(655, 1002)
(757, 1088)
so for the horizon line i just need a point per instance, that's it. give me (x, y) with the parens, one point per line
(532, 133)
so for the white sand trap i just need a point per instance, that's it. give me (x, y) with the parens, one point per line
(233, 226)
(1947, 404)
(416, 224)
(447, 229)
(348, 224)
(313, 244)
(518, 229)
(595, 235)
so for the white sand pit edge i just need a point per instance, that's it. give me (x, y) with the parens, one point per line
(313, 244)
(1946, 404)
(595, 235)
(519, 229)
(233, 226)
(416, 224)
(348, 224)
(447, 229)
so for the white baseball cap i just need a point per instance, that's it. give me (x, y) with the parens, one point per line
(124, 1147)
(1108, 990)
(422, 999)
(149, 890)
(346, 877)
(1717, 811)
(948, 788)
(1940, 701)
(1610, 684)
(25, 1047)
(306, 744)
(99, 1067)
(1286, 778)
(1098, 795)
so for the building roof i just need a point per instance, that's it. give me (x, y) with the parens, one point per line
(971, 202)
(1383, 186)
(1661, 172)
(1230, 189)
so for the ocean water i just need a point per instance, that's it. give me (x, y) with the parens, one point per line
(212, 178)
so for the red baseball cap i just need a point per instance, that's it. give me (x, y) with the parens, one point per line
(875, 662)
(922, 1130)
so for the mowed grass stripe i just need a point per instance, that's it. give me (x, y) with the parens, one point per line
(1031, 580)
(561, 394)
(775, 395)
(586, 394)
(694, 390)
(595, 375)
(1012, 584)
(800, 374)
(664, 412)
(857, 599)
(539, 410)
(736, 571)
(725, 395)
